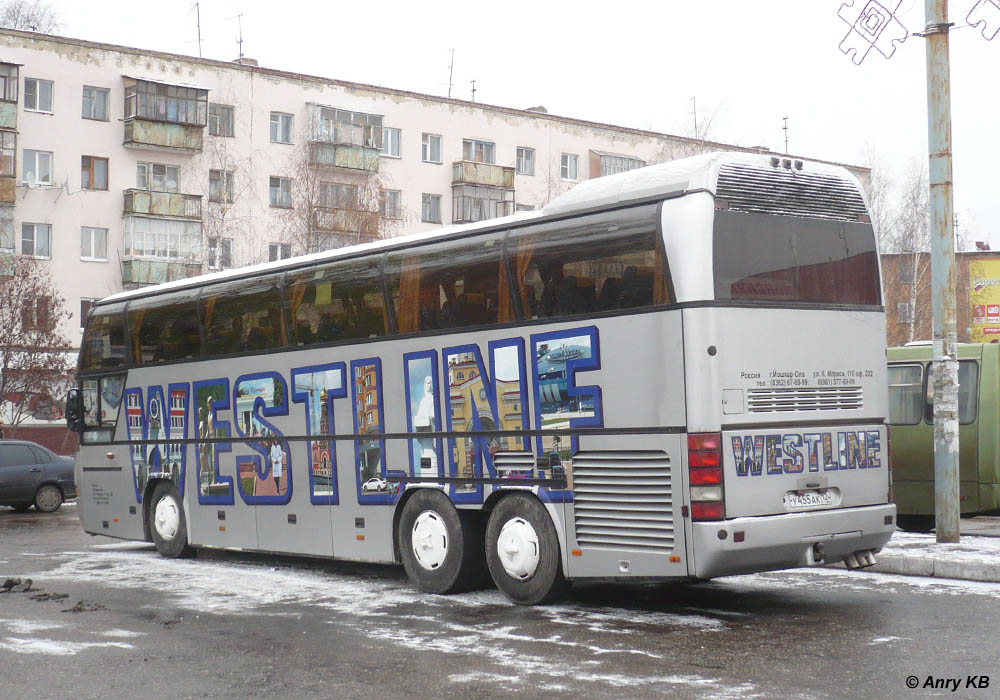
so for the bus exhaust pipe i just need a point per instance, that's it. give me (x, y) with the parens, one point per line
(861, 559)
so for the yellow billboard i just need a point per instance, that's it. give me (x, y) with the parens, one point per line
(984, 296)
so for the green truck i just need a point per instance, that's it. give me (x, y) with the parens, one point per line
(911, 423)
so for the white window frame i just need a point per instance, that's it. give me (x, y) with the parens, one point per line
(223, 191)
(35, 229)
(282, 125)
(488, 150)
(569, 167)
(283, 200)
(392, 142)
(34, 156)
(428, 144)
(89, 236)
(36, 95)
(223, 122)
(8, 82)
(95, 102)
(396, 210)
(220, 253)
(148, 175)
(278, 251)
(525, 163)
(429, 204)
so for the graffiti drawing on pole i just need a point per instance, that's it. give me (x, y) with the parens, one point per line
(873, 26)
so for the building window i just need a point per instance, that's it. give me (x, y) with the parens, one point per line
(165, 103)
(8, 82)
(332, 125)
(221, 121)
(220, 185)
(391, 142)
(611, 165)
(390, 204)
(8, 152)
(95, 103)
(172, 239)
(35, 314)
(905, 271)
(93, 173)
(478, 151)
(38, 95)
(220, 253)
(85, 305)
(37, 167)
(36, 239)
(335, 195)
(524, 207)
(430, 148)
(472, 203)
(93, 243)
(157, 176)
(430, 208)
(903, 312)
(281, 127)
(278, 251)
(525, 164)
(281, 192)
(7, 229)
(568, 169)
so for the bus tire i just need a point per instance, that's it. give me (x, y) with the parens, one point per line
(915, 523)
(167, 522)
(441, 547)
(522, 551)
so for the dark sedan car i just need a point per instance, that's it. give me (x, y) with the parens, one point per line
(34, 475)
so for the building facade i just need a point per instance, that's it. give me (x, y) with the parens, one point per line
(123, 167)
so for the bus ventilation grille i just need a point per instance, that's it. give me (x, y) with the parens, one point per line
(805, 399)
(623, 500)
(789, 193)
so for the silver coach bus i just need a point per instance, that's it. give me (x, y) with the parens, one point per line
(672, 373)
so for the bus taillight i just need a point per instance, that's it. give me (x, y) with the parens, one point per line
(705, 476)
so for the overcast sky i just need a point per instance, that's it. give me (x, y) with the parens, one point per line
(629, 63)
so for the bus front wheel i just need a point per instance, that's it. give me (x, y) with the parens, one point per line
(441, 547)
(167, 522)
(522, 551)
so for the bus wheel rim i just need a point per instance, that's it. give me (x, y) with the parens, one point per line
(167, 519)
(517, 547)
(430, 540)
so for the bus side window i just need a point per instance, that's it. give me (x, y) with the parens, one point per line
(905, 384)
(244, 316)
(604, 262)
(453, 284)
(163, 329)
(342, 301)
(968, 392)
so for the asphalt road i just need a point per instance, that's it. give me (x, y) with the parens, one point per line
(107, 619)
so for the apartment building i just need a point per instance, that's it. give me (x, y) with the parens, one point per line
(121, 167)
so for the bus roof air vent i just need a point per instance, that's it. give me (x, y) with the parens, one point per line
(789, 192)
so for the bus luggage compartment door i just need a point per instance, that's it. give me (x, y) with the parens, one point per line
(105, 493)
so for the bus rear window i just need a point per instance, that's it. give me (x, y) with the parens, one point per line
(104, 339)
(762, 257)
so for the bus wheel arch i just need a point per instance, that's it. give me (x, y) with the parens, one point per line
(523, 551)
(166, 523)
(440, 546)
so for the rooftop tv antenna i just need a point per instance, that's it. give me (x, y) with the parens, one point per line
(239, 42)
(785, 129)
(197, 9)
(694, 109)
(451, 71)
(473, 89)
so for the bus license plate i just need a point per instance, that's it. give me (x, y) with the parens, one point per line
(798, 500)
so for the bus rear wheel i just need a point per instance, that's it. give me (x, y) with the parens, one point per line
(522, 551)
(167, 522)
(441, 547)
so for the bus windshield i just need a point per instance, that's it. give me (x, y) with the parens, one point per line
(763, 257)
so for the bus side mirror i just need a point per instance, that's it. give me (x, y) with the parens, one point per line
(74, 410)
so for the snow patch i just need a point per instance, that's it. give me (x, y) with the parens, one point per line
(123, 634)
(28, 626)
(54, 647)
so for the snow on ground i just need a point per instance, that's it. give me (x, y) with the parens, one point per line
(969, 549)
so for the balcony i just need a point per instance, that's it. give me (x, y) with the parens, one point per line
(345, 220)
(174, 204)
(343, 155)
(7, 193)
(479, 203)
(139, 272)
(157, 135)
(466, 172)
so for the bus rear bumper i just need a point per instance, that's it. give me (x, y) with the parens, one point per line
(788, 541)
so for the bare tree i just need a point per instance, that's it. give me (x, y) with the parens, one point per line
(30, 15)
(330, 206)
(33, 352)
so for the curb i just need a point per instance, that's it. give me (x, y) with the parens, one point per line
(923, 566)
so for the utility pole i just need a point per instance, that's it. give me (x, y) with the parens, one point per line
(943, 277)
